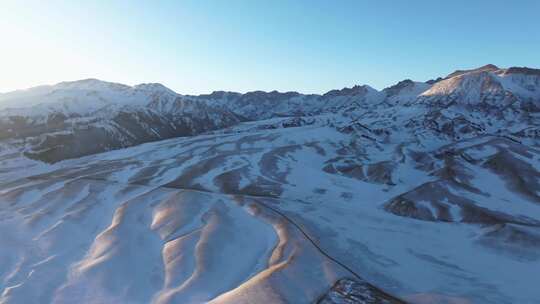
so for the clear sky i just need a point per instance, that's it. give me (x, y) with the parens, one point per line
(311, 46)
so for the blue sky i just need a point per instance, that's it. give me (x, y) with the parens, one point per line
(309, 46)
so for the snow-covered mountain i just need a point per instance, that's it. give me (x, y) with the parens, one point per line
(262, 105)
(78, 118)
(57, 122)
(424, 192)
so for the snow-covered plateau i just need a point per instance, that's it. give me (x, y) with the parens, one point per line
(424, 192)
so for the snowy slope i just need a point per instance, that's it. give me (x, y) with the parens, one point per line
(182, 198)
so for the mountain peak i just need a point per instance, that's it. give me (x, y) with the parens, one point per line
(406, 85)
(271, 94)
(154, 87)
(485, 68)
(401, 84)
(355, 90)
(218, 95)
(489, 67)
(90, 84)
(522, 70)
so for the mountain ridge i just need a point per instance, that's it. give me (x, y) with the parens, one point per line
(157, 112)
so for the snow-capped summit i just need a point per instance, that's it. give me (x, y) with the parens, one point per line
(90, 84)
(487, 84)
(354, 91)
(81, 96)
(404, 91)
(524, 82)
(485, 68)
(471, 87)
(154, 87)
(90, 115)
(522, 70)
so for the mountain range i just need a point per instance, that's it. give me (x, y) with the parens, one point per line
(423, 192)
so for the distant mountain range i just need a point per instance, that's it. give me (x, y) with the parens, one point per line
(57, 122)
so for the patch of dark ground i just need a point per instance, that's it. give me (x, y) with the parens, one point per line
(350, 291)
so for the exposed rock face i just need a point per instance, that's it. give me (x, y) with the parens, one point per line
(351, 291)
(126, 128)
(522, 70)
